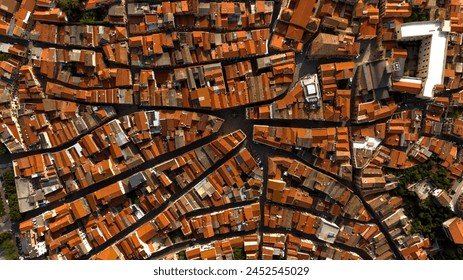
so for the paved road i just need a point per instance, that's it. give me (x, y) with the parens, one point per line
(147, 164)
(235, 119)
(239, 120)
(314, 239)
(5, 160)
(5, 226)
(13, 40)
(153, 213)
(201, 241)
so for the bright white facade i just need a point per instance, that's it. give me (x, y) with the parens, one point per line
(433, 50)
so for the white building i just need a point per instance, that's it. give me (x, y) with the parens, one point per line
(432, 53)
(327, 231)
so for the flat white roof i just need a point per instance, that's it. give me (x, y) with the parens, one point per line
(327, 231)
(408, 31)
(374, 143)
(412, 80)
(4, 47)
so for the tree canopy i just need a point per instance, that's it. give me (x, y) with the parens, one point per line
(75, 14)
(427, 217)
(181, 255)
(238, 254)
(10, 191)
(4, 56)
(8, 246)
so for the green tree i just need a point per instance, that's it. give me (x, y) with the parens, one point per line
(238, 254)
(3, 149)
(4, 56)
(93, 17)
(10, 191)
(67, 5)
(8, 177)
(8, 246)
(74, 14)
(181, 255)
(456, 113)
(417, 15)
(427, 217)
(2, 208)
(4, 236)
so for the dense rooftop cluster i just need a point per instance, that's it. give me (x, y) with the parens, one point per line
(328, 148)
(114, 148)
(292, 129)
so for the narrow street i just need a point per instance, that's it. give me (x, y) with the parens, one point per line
(153, 213)
(234, 119)
(239, 120)
(97, 186)
(314, 239)
(203, 241)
